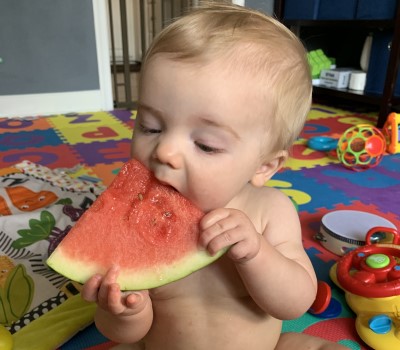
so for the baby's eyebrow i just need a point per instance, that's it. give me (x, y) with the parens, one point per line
(156, 112)
(207, 120)
(212, 122)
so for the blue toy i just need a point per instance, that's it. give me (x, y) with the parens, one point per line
(322, 143)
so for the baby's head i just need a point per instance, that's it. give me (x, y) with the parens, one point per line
(255, 44)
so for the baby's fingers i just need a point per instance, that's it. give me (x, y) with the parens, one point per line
(114, 302)
(106, 290)
(220, 235)
(91, 288)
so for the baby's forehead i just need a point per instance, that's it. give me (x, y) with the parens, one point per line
(249, 59)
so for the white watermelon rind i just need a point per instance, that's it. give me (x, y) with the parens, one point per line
(80, 272)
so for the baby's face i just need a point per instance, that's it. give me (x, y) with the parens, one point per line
(198, 129)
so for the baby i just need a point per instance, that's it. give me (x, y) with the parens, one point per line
(224, 92)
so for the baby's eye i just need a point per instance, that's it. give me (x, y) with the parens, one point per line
(147, 130)
(207, 149)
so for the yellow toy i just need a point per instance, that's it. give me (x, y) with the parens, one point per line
(370, 277)
(392, 130)
(6, 340)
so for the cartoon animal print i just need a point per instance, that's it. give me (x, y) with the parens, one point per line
(4, 209)
(27, 200)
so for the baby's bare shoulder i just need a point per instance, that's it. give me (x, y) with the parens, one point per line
(270, 210)
(277, 213)
(270, 197)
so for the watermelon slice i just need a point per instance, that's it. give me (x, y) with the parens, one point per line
(146, 228)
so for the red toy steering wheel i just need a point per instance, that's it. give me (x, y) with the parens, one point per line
(372, 271)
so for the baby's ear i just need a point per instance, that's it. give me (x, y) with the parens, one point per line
(268, 169)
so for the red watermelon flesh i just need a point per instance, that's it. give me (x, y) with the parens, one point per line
(146, 228)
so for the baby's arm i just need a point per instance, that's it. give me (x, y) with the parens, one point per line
(273, 266)
(121, 317)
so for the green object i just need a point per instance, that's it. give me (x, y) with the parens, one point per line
(377, 261)
(318, 61)
(57, 326)
(16, 295)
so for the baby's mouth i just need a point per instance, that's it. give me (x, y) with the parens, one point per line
(166, 184)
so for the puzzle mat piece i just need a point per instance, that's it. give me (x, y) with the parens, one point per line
(107, 172)
(61, 156)
(318, 111)
(307, 191)
(379, 185)
(88, 134)
(86, 128)
(90, 339)
(24, 139)
(343, 108)
(334, 126)
(303, 157)
(342, 331)
(15, 125)
(104, 152)
(126, 116)
(75, 120)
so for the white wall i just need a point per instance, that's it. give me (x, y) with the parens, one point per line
(64, 102)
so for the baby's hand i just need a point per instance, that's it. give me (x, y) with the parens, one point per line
(106, 293)
(226, 227)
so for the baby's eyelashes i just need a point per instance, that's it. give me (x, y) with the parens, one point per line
(149, 130)
(208, 149)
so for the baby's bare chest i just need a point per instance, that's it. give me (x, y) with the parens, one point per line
(210, 309)
(220, 323)
(219, 279)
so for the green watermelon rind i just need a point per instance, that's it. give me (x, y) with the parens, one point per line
(131, 279)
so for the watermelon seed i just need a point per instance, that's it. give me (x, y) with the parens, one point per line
(154, 221)
(140, 196)
(167, 214)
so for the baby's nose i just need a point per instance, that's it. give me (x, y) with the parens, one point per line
(169, 152)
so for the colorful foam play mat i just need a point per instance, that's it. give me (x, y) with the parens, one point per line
(52, 168)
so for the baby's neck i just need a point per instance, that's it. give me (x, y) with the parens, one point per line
(238, 201)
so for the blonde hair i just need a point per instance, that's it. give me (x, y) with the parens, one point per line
(262, 45)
